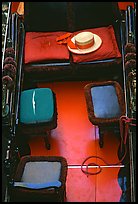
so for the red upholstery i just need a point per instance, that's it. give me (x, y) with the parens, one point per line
(123, 5)
(42, 46)
(108, 49)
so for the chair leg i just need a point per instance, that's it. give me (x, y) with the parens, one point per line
(117, 131)
(101, 135)
(46, 139)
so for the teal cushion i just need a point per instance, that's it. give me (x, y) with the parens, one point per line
(36, 105)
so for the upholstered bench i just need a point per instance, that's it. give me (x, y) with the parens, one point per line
(105, 105)
(40, 179)
(47, 60)
(38, 112)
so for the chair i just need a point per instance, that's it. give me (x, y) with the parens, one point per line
(39, 179)
(50, 61)
(37, 113)
(105, 105)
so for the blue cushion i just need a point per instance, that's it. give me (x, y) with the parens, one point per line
(36, 106)
(38, 185)
(105, 102)
(41, 171)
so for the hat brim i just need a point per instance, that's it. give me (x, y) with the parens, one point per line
(97, 44)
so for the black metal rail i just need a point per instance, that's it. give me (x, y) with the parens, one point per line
(5, 26)
(129, 27)
(16, 35)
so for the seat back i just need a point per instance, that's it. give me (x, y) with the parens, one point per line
(45, 16)
(69, 16)
(94, 14)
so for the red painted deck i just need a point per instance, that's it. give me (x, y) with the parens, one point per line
(76, 138)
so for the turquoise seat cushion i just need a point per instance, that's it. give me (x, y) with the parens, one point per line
(105, 102)
(36, 106)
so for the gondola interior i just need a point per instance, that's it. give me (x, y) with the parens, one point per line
(68, 104)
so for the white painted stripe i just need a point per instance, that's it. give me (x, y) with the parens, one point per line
(102, 166)
(33, 102)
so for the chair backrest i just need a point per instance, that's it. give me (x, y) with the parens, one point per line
(94, 14)
(69, 16)
(45, 16)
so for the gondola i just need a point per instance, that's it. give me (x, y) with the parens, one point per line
(68, 101)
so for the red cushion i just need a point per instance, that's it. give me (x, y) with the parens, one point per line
(108, 49)
(42, 46)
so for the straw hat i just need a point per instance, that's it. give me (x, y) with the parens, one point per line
(85, 42)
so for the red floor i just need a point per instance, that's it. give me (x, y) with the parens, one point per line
(76, 138)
